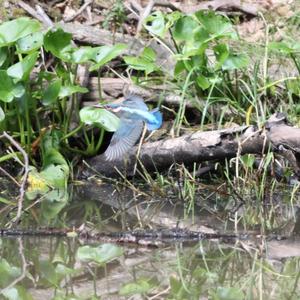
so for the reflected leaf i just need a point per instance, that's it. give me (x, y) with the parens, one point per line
(99, 116)
(101, 254)
(8, 272)
(13, 30)
(19, 293)
(141, 286)
(47, 272)
(228, 293)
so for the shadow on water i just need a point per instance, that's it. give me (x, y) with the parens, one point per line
(266, 265)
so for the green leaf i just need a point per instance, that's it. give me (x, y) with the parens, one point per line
(140, 63)
(48, 273)
(155, 24)
(179, 67)
(8, 272)
(50, 95)
(221, 52)
(3, 55)
(2, 114)
(285, 47)
(203, 82)
(228, 293)
(71, 89)
(235, 61)
(13, 30)
(149, 54)
(8, 89)
(58, 43)
(17, 293)
(30, 42)
(104, 54)
(83, 54)
(101, 254)
(184, 29)
(22, 69)
(141, 286)
(216, 25)
(99, 116)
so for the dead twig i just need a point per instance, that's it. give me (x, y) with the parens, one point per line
(79, 11)
(25, 176)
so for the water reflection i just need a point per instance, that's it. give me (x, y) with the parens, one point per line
(260, 267)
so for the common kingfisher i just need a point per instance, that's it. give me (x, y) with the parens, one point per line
(133, 113)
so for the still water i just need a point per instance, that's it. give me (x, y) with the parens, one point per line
(264, 264)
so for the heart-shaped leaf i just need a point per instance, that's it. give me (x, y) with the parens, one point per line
(8, 89)
(58, 43)
(104, 54)
(184, 28)
(68, 90)
(22, 69)
(30, 42)
(99, 117)
(13, 30)
(51, 93)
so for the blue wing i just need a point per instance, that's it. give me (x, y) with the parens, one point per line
(124, 138)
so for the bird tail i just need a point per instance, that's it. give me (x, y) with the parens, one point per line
(158, 120)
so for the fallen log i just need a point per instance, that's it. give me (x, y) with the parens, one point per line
(202, 146)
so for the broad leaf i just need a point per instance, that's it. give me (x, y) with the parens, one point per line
(2, 114)
(58, 43)
(155, 24)
(30, 42)
(235, 61)
(83, 54)
(100, 117)
(285, 47)
(13, 30)
(3, 55)
(50, 95)
(184, 28)
(22, 69)
(8, 89)
(71, 89)
(216, 25)
(221, 53)
(140, 63)
(104, 54)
